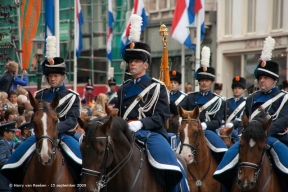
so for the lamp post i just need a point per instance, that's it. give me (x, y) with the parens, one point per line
(38, 46)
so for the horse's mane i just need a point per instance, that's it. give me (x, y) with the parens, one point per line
(255, 129)
(118, 124)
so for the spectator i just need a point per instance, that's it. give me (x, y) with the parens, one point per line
(188, 88)
(19, 120)
(89, 95)
(12, 96)
(25, 131)
(99, 107)
(21, 109)
(9, 115)
(28, 115)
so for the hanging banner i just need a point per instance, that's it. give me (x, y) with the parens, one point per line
(30, 19)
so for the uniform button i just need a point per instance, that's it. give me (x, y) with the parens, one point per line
(125, 107)
(195, 102)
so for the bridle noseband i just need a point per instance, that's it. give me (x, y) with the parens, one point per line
(105, 178)
(53, 141)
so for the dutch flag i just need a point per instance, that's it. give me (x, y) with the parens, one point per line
(184, 15)
(138, 9)
(109, 30)
(49, 18)
(78, 33)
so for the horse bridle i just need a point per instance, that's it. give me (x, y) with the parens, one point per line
(53, 141)
(193, 149)
(106, 177)
(257, 167)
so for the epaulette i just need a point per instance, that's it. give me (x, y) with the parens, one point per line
(153, 79)
(183, 93)
(70, 90)
(284, 91)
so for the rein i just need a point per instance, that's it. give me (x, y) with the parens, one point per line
(105, 178)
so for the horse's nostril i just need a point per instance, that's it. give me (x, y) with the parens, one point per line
(252, 183)
(239, 181)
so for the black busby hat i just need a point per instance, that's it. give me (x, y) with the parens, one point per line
(267, 67)
(205, 72)
(26, 125)
(8, 126)
(238, 82)
(284, 84)
(112, 81)
(175, 76)
(52, 64)
(218, 86)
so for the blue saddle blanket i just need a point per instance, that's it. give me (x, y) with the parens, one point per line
(226, 169)
(162, 158)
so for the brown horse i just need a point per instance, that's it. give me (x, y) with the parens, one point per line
(225, 134)
(111, 160)
(200, 162)
(253, 158)
(47, 168)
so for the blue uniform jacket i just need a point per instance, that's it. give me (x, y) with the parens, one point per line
(200, 99)
(128, 92)
(114, 100)
(69, 121)
(173, 97)
(229, 107)
(5, 153)
(255, 100)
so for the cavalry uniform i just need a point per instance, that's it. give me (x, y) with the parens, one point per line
(68, 111)
(145, 99)
(274, 102)
(5, 153)
(219, 87)
(234, 108)
(112, 95)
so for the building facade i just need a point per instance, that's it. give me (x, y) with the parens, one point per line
(242, 28)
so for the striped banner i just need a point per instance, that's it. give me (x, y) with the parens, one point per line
(30, 19)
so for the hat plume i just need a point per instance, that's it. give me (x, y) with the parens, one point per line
(205, 56)
(268, 47)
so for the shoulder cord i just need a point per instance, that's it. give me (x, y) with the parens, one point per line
(153, 101)
(67, 107)
(214, 109)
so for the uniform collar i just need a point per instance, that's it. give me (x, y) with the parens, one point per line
(140, 79)
(237, 99)
(275, 89)
(57, 89)
(206, 93)
(174, 92)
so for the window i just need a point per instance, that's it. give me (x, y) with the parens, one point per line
(277, 22)
(228, 17)
(251, 8)
(163, 5)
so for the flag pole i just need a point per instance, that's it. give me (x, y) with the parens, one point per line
(183, 68)
(198, 44)
(56, 26)
(74, 55)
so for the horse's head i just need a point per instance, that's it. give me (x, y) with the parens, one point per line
(45, 122)
(225, 134)
(96, 149)
(191, 133)
(252, 149)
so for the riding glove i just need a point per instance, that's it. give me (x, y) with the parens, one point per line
(229, 125)
(135, 125)
(204, 126)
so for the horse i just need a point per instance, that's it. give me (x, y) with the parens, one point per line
(47, 168)
(253, 157)
(225, 134)
(200, 162)
(112, 160)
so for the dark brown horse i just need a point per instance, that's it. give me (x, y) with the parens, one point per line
(255, 171)
(200, 162)
(226, 135)
(47, 165)
(111, 160)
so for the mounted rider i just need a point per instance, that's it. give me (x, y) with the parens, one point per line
(143, 103)
(54, 70)
(272, 101)
(112, 94)
(210, 104)
(234, 106)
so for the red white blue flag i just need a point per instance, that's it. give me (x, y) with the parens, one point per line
(184, 15)
(49, 18)
(109, 30)
(78, 33)
(138, 9)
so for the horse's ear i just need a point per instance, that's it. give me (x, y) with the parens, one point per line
(34, 103)
(55, 101)
(245, 121)
(180, 111)
(82, 123)
(196, 112)
(107, 125)
(267, 124)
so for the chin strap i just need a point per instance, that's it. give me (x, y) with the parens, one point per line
(269, 88)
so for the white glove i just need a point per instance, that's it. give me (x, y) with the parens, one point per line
(135, 125)
(229, 125)
(204, 126)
